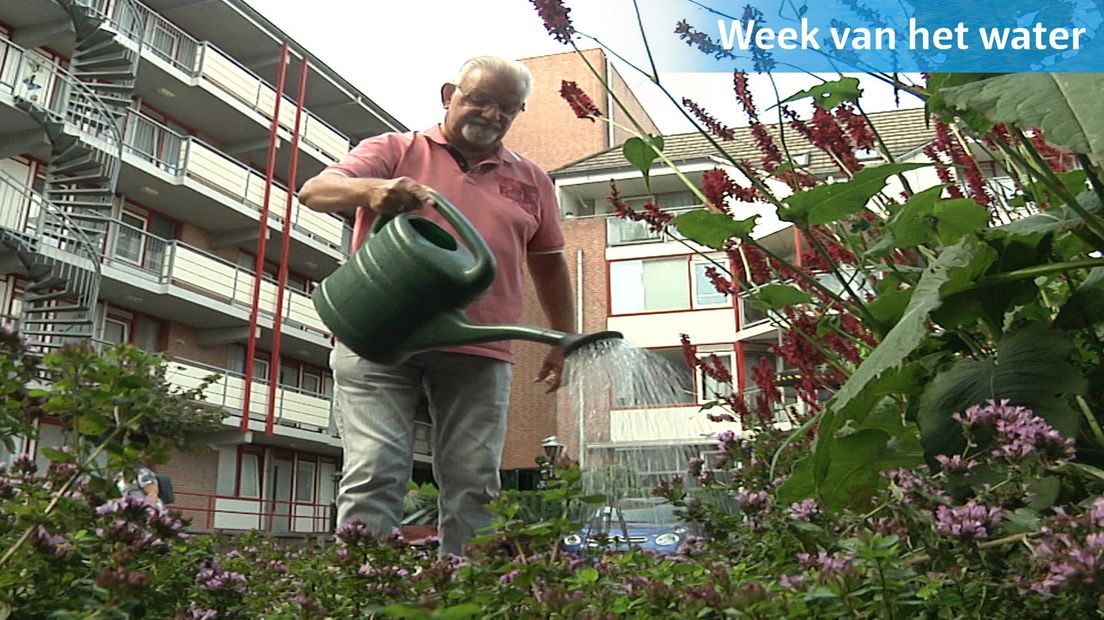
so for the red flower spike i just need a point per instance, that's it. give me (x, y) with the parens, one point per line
(556, 19)
(580, 103)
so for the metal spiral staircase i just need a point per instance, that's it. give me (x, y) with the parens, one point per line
(83, 121)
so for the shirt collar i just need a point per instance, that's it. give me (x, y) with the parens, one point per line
(501, 156)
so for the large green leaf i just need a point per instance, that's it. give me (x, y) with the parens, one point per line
(911, 329)
(828, 95)
(854, 473)
(901, 341)
(1066, 106)
(825, 204)
(713, 229)
(1032, 368)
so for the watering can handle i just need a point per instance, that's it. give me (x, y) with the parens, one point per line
(484, 259)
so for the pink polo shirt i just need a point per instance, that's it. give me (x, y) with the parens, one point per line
(509, 200)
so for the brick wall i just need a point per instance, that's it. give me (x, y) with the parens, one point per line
(193, 472)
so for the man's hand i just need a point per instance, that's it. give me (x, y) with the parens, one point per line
(395, 196)
(551, 372)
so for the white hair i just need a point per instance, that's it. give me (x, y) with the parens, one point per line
(499, 66)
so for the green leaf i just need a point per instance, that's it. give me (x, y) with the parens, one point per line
(911, 329)
(1044, 492)
(587, 575)
(1066, 106)
(92, 423)
(901, 341)
(911, 227)
(1083, 309)
(854, 472)
(825, 204)
(957, 218)
(779, 297)
(58, 456)
(641, 152)
(713, 229)
(828, 95)
(1032, 368)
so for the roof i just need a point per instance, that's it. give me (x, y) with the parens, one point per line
(902, 130)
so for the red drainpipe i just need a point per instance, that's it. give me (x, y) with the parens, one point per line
(258, 271)
(285, 248)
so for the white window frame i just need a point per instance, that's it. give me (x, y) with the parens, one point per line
(696, 286)
(700, 378)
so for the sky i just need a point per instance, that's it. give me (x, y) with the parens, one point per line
(400, 52)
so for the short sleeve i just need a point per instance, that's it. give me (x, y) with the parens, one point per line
(374, 157)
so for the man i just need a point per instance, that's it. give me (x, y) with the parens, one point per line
(511, 202)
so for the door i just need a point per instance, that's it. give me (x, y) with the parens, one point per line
(279, 495)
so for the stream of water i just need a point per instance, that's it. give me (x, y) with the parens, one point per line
(623, 398)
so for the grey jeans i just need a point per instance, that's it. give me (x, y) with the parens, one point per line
(468, 400)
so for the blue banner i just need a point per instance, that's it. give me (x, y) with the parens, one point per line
(885, 35)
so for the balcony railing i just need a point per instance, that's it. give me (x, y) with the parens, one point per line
(293, 406)
(225, 512)
(201, 59)
(627, 232)
(186, 156)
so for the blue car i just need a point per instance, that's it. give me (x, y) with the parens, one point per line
(647, 523)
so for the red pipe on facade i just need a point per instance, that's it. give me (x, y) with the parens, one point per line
(285, 248)
(258, 271)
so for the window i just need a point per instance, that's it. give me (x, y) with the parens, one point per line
(304, 481)
(705, 294)
(130, 238)
(311, 383)
(249, 476)
(116, 331)
(749, 314)
(649, 285)
(289, 375)
(260, 370)
(709, 387)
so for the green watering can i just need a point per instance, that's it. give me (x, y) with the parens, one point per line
(405, 289)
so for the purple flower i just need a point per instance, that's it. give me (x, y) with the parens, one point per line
(804, 510)
(212, 577)
(956, 464)
(694, 466)
(793, 582)
(510, 576)
(724, 438)
(968, 521)
(1018, 432)
(201, 613)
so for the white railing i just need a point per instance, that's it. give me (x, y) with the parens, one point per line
(202, 59)
(293, 406)
(186, 156)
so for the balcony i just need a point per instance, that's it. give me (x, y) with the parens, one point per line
(174, 52)
(628, 232)
(294, 407)
(194, 181)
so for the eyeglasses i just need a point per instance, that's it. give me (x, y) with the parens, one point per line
(483, 100)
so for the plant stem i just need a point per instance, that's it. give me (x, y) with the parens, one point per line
(1034, 272)
(1092, 221)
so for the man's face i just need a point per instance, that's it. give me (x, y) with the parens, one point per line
(480, 109)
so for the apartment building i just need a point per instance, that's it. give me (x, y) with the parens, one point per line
(147, 150)
(653, 287)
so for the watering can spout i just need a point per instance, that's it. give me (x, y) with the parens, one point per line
(453, 329)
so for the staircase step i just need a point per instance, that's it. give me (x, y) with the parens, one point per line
(122, 73)
(32, 299)
(47, 332)
(66, 308)
(95, 38)
(41, 344)
(27, 320)
(37, 271)
(48, 283)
